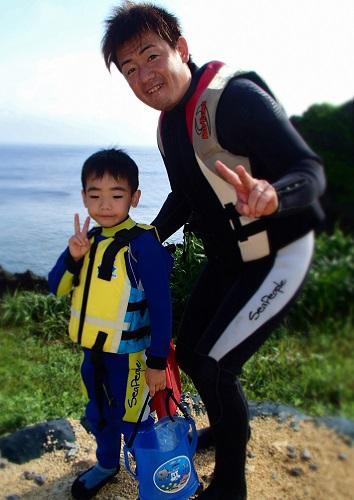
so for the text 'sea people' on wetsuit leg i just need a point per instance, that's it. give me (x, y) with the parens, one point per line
(265, 308)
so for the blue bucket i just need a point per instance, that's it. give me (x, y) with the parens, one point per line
(163, 455)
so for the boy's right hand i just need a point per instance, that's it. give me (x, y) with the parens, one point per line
(79, 244)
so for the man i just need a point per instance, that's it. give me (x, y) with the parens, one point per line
(255, 212)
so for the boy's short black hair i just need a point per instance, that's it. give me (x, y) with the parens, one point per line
(133, 19)
(114, 162)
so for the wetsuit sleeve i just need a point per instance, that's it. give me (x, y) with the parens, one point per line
(154, 265)
(172, 216)
(249, 116)
(61, 278)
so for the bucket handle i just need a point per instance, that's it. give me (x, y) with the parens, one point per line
(170, 394)
(135, 430)
(182, 409)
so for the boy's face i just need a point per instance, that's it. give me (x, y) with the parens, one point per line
(108, 200)
(157, 73)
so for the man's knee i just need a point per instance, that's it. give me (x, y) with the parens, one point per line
(202, 369)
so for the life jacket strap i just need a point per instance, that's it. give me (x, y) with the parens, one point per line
(247, 230)
(100, 341)
(98, 374)
(136, 334)
(121, 239)
(137, 306)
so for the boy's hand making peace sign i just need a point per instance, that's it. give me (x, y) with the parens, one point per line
(79, 244)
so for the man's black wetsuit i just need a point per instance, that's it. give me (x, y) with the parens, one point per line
(235, 304)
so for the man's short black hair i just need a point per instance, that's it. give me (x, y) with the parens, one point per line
(114, 162)
(133, 19)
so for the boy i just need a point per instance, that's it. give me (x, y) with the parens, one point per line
(118, 274)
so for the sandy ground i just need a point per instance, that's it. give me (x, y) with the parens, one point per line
(311, 463)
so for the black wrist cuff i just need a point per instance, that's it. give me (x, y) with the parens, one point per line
(74, 267)
(156, 362)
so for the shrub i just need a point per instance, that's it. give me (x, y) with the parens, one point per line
(189, 259)
(330, 286)
(39, 314)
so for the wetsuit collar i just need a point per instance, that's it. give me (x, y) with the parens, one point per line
(128, 223)
(196, 71)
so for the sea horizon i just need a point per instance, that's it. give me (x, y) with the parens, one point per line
(41, 192)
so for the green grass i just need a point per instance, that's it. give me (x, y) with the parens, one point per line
(312, 371)
(39, 381)
(307, 363)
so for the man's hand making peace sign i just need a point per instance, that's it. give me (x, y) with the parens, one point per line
(79, 244)
(255, 197)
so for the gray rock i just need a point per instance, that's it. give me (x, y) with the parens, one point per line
(296, 471)
(313, 466)
(283, 413)
(342, 456)
(67, 445)
(40, 479)
(34, 440)
(71, 454)
(270, 409)
(28, 475)
(305, 454)
(341, 425)
(295, 425)
(291, 451)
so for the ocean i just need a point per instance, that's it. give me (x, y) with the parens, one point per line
(41, 192)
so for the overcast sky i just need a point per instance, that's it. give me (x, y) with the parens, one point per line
(54, 87)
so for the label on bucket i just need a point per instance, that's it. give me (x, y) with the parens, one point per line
(173, 475)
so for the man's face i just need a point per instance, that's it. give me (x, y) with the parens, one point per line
(158, 74)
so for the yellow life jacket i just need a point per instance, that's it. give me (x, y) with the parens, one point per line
(108, 313)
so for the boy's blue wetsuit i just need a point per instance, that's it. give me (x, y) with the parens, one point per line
(111, 411)
(236, 304)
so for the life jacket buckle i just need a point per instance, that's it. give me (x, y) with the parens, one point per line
(255, 246)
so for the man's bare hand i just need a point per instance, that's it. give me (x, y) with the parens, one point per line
(255, 197)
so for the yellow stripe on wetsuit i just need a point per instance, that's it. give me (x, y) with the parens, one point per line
(136, 386)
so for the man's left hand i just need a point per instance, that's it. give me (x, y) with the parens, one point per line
(255, 197)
